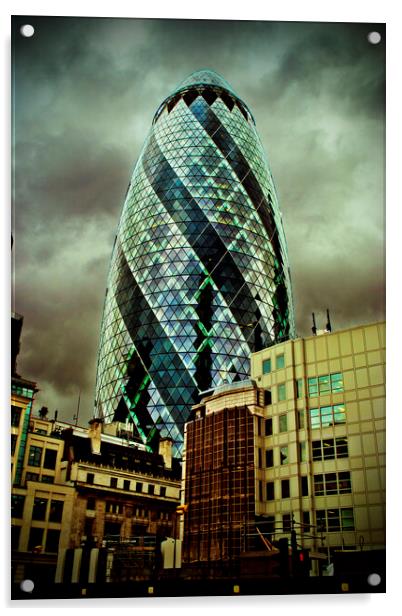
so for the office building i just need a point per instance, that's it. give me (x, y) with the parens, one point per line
(199, 274)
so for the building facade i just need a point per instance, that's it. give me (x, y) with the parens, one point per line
(317, 410)
(199, 275)
(87, 491)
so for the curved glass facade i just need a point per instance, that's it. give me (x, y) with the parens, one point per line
(199, 275)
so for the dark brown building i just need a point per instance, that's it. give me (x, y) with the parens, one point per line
(220, 475)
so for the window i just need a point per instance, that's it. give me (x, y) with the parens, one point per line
(267, 397)
(15, 416)
(259, 458)
(332, 483)
(50, 458)
(284, 455)
(304, 485)
(335, 520)
(330, 449)
(302, 451)
(268, 427)
(126, 484)
(151, 489)
(47, 479)
(13, 443)
(323, 385)
(336, 382)
(286, 522)
(305, 521)
(52, 540)
(35, 455)
(15, 537)
(270, 488)
(299, 388)
(300, 419)
(90, 478)
(344, 482)
(312, 386)
(35, 538)
(282, 392)
(91, 504)
(269, 458)
(17, 505)
(31, 476)
(138, 487)
(327, 416)
(283, 423)
(280, 362)
(266, 366)
(285, 488)
(39, 509)
(56, 510)
(163, 491)
(347, 520)
(113, 482)
(112, 507)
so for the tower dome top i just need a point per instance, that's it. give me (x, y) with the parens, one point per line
(206, 76)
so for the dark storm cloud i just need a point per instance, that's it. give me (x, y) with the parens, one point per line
(85, 94)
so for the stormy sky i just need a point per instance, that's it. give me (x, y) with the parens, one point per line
(85, 92)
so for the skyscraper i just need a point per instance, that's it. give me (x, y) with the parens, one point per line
(199, 275)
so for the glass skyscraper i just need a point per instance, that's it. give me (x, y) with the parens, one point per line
(199, 275)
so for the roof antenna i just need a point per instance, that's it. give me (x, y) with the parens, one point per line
(328, 327)
(314, 328)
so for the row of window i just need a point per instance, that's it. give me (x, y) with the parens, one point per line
(321, 417)
(39, 539)
(335, 520)
(36, 477)
(332, 483)
(324, 485)
(139, 486)
(316, 386)
(117, 508)
(327, 449)
(327, 520)
(330, 448)
(284, 491)
(325, 416)
(43, 509)
(267, 364)
(35, 457)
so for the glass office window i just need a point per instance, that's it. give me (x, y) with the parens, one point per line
(34, 456)
(39, 509)
(280, 362)
(266, 366)
(283, 422)
(282, 392)
(284, 455)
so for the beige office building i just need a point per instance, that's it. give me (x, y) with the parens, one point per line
(320, 448)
